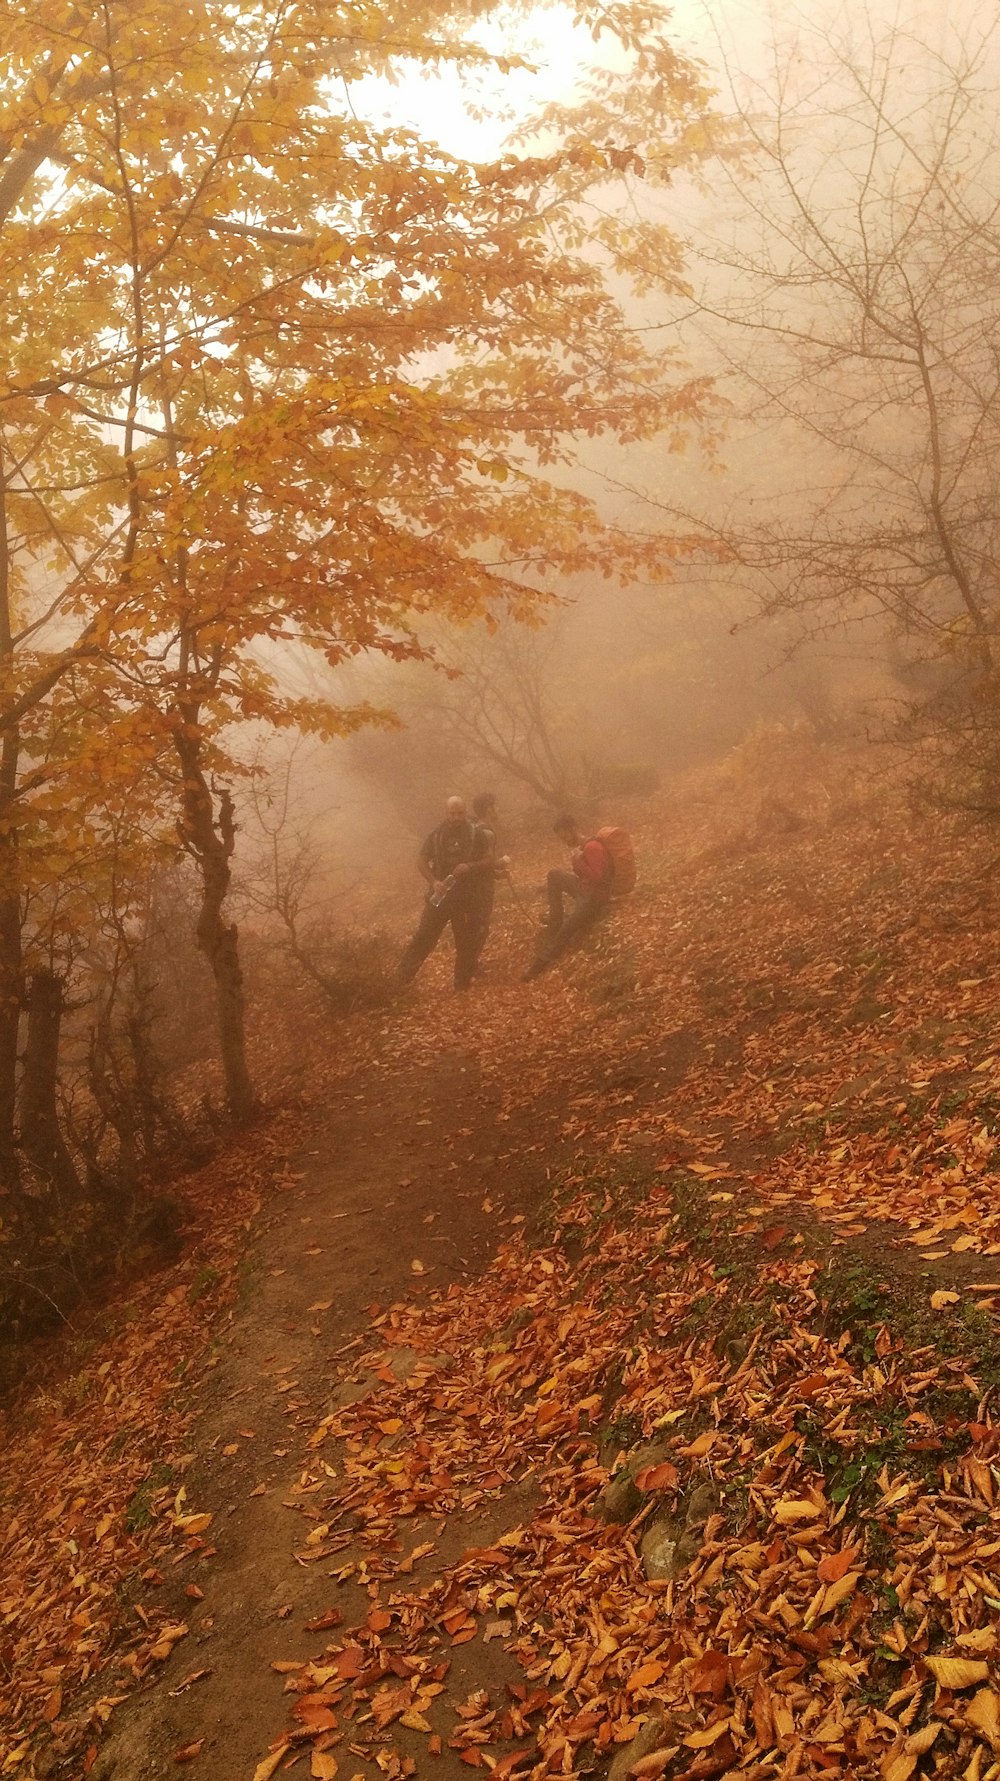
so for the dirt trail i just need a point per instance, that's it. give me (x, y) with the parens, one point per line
(783, 1134)
(407, 1168)
(412, 1163)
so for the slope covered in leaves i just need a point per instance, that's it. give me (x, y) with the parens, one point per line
(698, 1478)
(776, 1068)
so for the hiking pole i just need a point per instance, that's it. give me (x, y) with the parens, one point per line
(520, 902)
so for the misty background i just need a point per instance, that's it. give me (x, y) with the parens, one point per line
(835, 560)
(813, 260)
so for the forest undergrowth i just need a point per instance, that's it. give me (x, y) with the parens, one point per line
(740, 1361)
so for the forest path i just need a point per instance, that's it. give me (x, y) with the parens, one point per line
(428, 1153)
(715, 1139)
(407, 1186)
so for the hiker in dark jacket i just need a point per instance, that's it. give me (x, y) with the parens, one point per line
(587, 886)
(453, 860)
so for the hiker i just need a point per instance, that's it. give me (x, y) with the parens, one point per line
(588, 884)
(484, 888)
(455, 858)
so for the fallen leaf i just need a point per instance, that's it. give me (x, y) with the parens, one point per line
(957, 1672)
(831, 1568)
(796, 1509)
(166, 1639)
(920, 1741)
(839, 1591)
(265, 1769)
(983, 1712)
(192, 1524)
(701, 1446)
(645, 1676)
(188, 1682)
(899, 1767)
(661, 1477)
(710, 1734)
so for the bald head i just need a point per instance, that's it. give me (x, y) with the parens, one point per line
(454, 810)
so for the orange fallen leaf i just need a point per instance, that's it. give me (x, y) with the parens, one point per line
(265, 1769)
(791, 1509)
(831, 1568)
(701, 1446)
(654, 1766)
(920, 1741)
(313, 1711)
(645, 1676)
(709, 1734)
(188, 1752)
(192, 1524)
(983, 1712)
(839, 1591)
(661, 1477)
(899, 1767)
(957, 1672)
(166, 1639)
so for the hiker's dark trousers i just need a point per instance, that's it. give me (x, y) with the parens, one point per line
(483, 898)
(567, 924)
(460, 913)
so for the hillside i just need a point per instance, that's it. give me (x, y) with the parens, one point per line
(605, 1383)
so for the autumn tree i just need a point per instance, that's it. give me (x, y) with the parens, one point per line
(489, 706)
(849, 293)
(276, 370)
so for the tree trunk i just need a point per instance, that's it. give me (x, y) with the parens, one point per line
(11, 973)
(11, 1003)
(41, 1136)
(210, 842)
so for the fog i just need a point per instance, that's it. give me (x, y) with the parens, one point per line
(835, 557)
(555, 470)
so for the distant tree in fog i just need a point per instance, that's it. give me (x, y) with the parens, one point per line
(854, 300)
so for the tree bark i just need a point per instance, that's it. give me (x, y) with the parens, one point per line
(41, 1135)
(210, 842)
(11, 969)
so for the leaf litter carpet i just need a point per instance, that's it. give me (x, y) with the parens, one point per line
(767, 1265)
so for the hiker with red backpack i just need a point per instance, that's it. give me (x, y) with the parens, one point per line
(603, 866)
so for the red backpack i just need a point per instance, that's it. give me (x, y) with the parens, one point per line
(617, 844)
